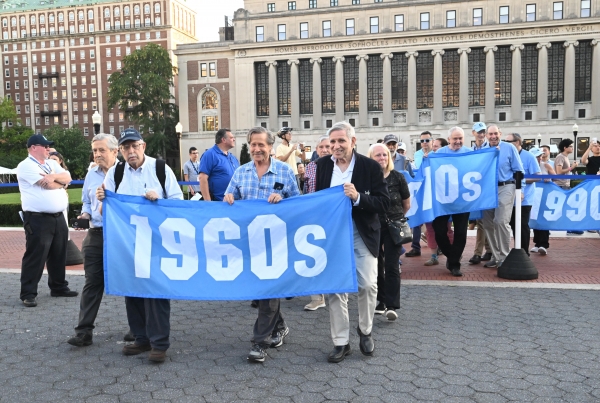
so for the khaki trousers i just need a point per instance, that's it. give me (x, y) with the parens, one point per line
(366, 274)
(496, 222)
(481, 241)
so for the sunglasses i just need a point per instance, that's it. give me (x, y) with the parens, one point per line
(39, 145)
(511, 141)
(425, 140)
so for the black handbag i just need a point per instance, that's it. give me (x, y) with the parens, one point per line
(399, 230)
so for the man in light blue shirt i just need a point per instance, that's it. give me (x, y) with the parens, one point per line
(391, 142)
(496, 221)
(426, 143)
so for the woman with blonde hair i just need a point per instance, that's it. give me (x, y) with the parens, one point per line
(388, 269)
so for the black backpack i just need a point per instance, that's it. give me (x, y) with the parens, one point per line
(160, 174)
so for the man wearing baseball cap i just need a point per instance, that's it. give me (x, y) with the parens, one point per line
(392, 143)
(43, 199)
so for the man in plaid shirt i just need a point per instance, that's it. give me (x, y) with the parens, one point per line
(267, 178)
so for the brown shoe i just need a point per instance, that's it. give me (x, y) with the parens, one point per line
(157, 355)
(135, 349)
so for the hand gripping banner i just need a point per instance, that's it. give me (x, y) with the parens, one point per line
(180, 249)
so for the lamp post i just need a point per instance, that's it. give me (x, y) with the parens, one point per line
(179, 130)
(575, 129)
(539, 138)
(97, 120)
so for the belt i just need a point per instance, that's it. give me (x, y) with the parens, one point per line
(43, 214)
(511, 182)
(97, 229)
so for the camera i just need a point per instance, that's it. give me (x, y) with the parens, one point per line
(81, 223)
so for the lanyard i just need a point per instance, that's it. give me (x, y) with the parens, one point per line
(194, 166)
(44, 167)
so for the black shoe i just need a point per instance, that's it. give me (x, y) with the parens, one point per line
(413, 253)
(366, 343)
(80, 340)
(129, 336)
(30, 303)
(339, 353)
(456, 273)
(380, 309)
(277, 338)
(258, 353)
(486, 257)
(476, 259)
(63, 293)
(254, 303)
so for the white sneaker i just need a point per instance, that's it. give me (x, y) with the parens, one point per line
(391, 315)
(315, 304)
(543, 251)
(535, 249)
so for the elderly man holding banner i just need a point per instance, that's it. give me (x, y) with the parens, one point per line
(265, 178)
(365, 186)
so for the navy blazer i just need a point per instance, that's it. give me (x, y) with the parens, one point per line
(368, 180)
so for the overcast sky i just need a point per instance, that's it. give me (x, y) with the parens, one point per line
(210, 15)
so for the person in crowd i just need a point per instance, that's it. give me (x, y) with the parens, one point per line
(388, 270)
(256, 180)
(592, 162)
(287, 151)
(191, 171)
(149, 318)
(453, 250)
(217, 166)
(546, 156)
(426, 141)
(400, 163)
(541, 238)
(481, 242)
(56, 156)
(439, 143)
(310, 178)
(365, 186)
(43, 200)
(531, 167)
(105, 149)
(496, 221)
(562, 166)
(301, 175)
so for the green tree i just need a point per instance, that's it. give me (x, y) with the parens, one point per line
(13, 144)
(244, 154)
(73, 146)
(7, 112)
(143, 90)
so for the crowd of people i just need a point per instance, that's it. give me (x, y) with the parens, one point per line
(375, 184)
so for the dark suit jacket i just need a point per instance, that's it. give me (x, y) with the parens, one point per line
(368, 180)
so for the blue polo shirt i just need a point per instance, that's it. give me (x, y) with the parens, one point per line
(509, 162)
(531, 168)
(220, 168)
(448, 150)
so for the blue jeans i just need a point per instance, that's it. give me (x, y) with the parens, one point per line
(416, 243)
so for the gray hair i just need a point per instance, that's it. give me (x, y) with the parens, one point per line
(258, 130)
(343, 126)
(111, 140)
(517, 136)
(322, 138)
(456, 129)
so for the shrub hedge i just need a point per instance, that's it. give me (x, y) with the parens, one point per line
(9, 214)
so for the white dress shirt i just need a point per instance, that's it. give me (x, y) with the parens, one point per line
(339, 178)
(35, 198)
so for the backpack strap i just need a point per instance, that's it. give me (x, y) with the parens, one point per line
(119, 171)
(161, 175)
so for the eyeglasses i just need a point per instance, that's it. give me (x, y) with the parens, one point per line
(54, 153)
(425, 140)
(511, 141)
(39, 145)
(195, 153)
(135, 146)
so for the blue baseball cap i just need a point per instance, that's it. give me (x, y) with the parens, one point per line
(536, 151)
(479, 126)
(130, 135)
(38, 139)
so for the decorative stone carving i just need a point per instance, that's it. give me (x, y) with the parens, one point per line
(450, 116)
(399, 117)
(424, 116)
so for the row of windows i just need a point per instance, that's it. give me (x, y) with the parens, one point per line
(81, 29)
(80, 14)
(52, 82)
(52, 43)
(424, 80)
(424, 21)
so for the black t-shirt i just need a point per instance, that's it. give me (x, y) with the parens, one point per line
(593, 166)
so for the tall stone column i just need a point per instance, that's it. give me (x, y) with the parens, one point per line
(387, 89)
(295, 93)
(363, 107)
(490, 83)
(463, 93)
(542, 95)
(317, 96)
(515, 95)
(569, 108)
(438, 111)
(273, 107)
(411, 116)
(596, 79)
(339, 88)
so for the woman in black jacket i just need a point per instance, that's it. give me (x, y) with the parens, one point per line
(388, 273)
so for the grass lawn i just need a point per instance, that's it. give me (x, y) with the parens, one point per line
(15, 198)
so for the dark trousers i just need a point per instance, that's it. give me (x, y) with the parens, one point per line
(541, 238)
(416, 243)
(525, 232)
(149, 321)
(388, 271)
(269, 321)
(454, 250)
(46, 243)
(93, 265)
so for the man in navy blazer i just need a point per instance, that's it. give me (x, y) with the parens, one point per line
(366, 188)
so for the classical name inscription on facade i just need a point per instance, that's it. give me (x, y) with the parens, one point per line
(378, 43)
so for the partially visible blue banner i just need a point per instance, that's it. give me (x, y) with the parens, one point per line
(577, 209)
(453, 183)
(213, 251)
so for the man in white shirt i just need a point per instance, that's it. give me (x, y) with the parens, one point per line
(43, 199)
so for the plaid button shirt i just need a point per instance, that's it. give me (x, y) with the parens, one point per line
(245, 184)
(310, 176)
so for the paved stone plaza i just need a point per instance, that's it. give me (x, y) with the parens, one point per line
(450, 344)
